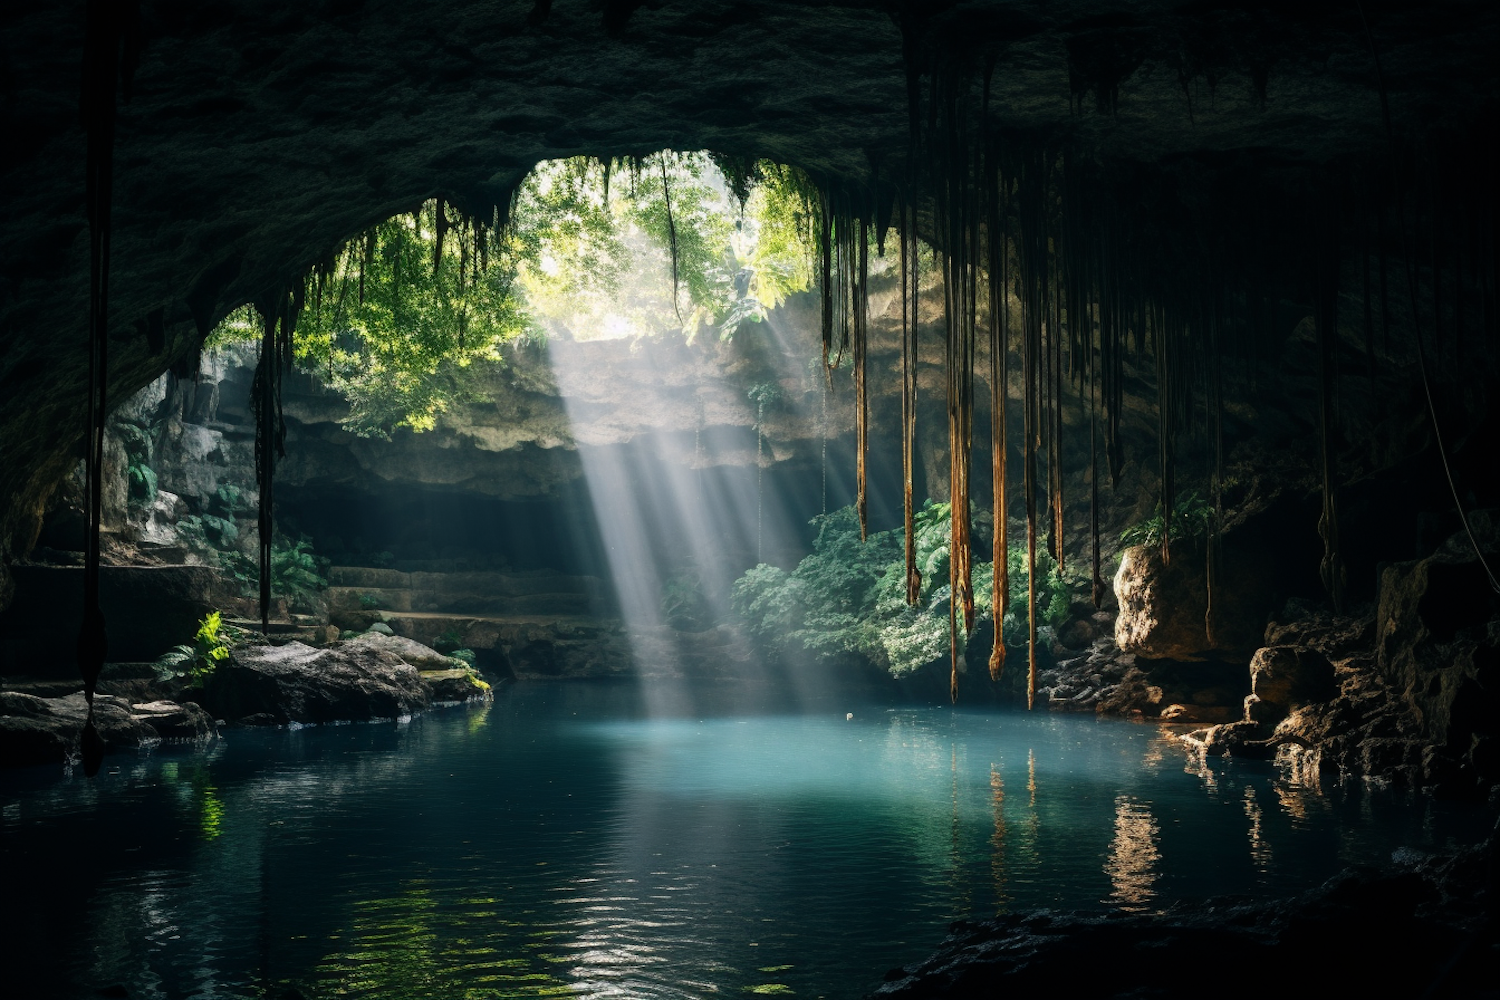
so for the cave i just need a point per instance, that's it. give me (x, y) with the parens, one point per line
(618, 498)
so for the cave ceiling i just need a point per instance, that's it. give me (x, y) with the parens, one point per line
(259, 135)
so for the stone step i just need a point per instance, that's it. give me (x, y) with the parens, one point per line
(351, 599)
(491, 582)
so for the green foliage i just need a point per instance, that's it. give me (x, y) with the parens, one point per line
(297, 573)
(683, 604)
(140, 478)
(197, 662)
(241, 326)
(369, 602)
(450, 640)
(1053, 596)
(142, 483)
(229, 501)
(405, 327)
(849, 597)
(781, 208)
(401, 353)
(465, 655)
(1191, 518)
(686, 219)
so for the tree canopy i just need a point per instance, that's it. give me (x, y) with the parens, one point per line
(407, 317)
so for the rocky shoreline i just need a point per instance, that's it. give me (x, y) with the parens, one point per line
(368, 678)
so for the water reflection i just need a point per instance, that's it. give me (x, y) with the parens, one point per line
(562, 843)
(1260, 846)
(1134, 855)
(997, 840)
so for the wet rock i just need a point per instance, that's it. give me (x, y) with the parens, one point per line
(1286, 677)
(348, 681)
(1325, 705)
(424, 658)
(455, 685)
(1166, 690)
(172, 721)
(35, 730)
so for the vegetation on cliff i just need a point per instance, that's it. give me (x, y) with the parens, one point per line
(849, 597)
(405, 318)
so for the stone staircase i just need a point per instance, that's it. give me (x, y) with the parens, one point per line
(353, 589)
(528, 625)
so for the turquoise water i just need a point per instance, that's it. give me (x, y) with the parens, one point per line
(561, 843)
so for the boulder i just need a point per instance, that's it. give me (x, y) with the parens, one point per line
(1163, 604)
(187, 721)
(36, 730)
(424, 658)
(350, 681)
(1283, 678)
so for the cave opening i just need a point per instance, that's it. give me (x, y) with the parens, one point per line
(1058, 477)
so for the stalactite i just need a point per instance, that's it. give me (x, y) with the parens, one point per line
(999, 374)
(957, 223)
(1164, 429)
(760, 493)
(825, 267)
(1211, 569)
(910, 288)
(823, 444)
(440, 230)
(666, 192)
(861, 397)
(111, 48)
(1096, 584)
(279, 317)
(1326, 274)
(1032, 260)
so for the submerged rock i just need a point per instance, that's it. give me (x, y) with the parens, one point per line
(36, 730)
(1425, 918)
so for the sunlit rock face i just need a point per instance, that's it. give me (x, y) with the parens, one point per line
(258, 138)
(1164, 605)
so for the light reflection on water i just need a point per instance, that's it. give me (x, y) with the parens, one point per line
(558, 843)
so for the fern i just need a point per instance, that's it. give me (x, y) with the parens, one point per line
(1191, 518)
(197, 663)
(850, 597)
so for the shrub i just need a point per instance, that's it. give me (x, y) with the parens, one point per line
(197, 662)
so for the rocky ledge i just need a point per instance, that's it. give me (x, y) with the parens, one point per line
(369, 677)
(1427, 926)
(36, 730)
